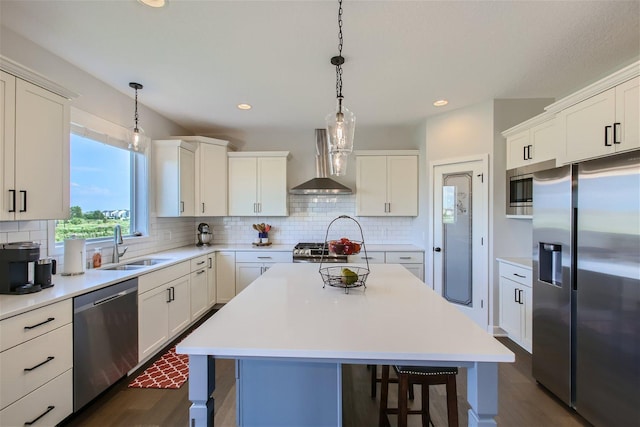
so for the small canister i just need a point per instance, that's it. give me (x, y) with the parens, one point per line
(97, 258)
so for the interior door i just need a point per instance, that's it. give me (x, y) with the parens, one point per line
(460, 249)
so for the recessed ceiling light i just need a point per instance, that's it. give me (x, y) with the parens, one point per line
(244, 106)
(153, 3)
(440, 103)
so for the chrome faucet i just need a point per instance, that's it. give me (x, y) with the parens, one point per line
(117, 240)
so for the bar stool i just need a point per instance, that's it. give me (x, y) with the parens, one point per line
(425, 376)
(375, 380)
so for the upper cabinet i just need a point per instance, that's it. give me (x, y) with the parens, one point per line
(602, 118)
(34, 150)
(604, 124)
(258, 183)
(533, 141)
(173, 168)
(387, 183)
(210, 175)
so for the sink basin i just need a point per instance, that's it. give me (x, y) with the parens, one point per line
(146, 262)
(124, 267)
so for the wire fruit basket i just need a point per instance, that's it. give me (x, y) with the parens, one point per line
(340, 276)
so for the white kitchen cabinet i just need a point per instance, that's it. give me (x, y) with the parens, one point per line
(515, 303)
(36, 362)
(533, 141)
(164, 307)
(387, 184)
(225, 276)
(34, 127)
(210, 175)
(173, 168)
(412, 261)
(251, 265)
(211, 280)
(258, 184)
(199, 289)
(603, 124)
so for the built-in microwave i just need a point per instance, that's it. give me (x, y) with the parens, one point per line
(520, 187)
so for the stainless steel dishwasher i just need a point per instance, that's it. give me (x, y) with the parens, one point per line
(105, 339)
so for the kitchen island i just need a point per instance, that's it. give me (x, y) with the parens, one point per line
(290, 336)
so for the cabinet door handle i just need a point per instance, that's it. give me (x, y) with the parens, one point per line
(173, 293)
(389, 207)
(49, 409)
(168, 295)
(13, 200)
(181, 206)
(615, 133)
(529, 152)
(259, 207)
(24, 200)
(49, 359)
(519, 275)
(50, 319)
(202, 207)
(520, 296)
(210, 262)
(524, 152)
(515, 295)
(606, 136)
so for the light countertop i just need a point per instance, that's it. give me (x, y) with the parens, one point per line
(70, 286)
(286, 313)
(518, 262)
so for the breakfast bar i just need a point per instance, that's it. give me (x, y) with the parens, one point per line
(289, 336)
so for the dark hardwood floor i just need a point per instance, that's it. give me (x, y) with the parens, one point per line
(522, 402)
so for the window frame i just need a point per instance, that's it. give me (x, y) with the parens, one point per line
(93, 127)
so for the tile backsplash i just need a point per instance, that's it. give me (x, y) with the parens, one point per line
(309, 217)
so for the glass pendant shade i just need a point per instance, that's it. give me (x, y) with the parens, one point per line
(338, 164)
(136, 135)
(341, 126)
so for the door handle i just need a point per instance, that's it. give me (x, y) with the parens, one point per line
(13, 201)
(606, 136)
(615, 136)
(437, 249)
(24, 200)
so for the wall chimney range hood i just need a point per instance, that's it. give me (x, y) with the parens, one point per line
(321, 184)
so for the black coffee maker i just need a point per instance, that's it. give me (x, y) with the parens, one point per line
(17, 265)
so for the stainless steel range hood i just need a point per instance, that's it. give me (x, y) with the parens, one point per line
(321, 184)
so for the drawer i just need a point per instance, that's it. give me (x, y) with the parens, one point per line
(152, 280)
(264, 256)
(18, 329)
(517, 274)
(199, 263)
(46, 357)
(49, 404)
(404, 257)
(372, 257)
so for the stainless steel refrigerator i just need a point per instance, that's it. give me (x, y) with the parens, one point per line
(586, 287)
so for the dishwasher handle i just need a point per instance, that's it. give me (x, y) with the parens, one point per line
(100, 298)
(111, 298)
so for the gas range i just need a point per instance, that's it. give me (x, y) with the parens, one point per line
(315, 252)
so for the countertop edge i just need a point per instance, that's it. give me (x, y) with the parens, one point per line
(518, 262)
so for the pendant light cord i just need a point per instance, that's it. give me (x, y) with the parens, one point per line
(340, 43)
(136, 112)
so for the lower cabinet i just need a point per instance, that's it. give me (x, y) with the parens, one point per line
(225, 276)
(36, 361)
(211, 280)
(412, 261)
(515, 304)
(164, 307)
(251, 265)
(199, 286)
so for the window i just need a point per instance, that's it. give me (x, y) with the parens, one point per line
(108, 182)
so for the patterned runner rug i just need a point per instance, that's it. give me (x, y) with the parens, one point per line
(170, 371)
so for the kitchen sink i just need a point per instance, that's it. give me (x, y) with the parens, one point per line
(124, 267)
(146, 262)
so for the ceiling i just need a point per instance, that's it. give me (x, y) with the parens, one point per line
(198, 59)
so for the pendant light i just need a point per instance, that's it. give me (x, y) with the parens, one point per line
(136, 133)
(341, 123)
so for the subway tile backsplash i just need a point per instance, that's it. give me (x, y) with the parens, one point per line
(309, 217)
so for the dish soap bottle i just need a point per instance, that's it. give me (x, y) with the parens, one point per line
(97, 258)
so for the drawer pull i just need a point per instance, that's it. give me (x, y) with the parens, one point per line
(200, 272)
(405, 257)
(49, 359)
(200, 263)
(49, 409)
(519, 275)
(50, 319)
(264, 257)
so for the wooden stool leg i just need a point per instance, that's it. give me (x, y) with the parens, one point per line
(403, 403)
(384, 397)
(426, 415)
(452, 401)
(374, 377)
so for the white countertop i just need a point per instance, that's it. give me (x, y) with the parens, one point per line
(518, 262)
(286, 313)
(70, 286)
